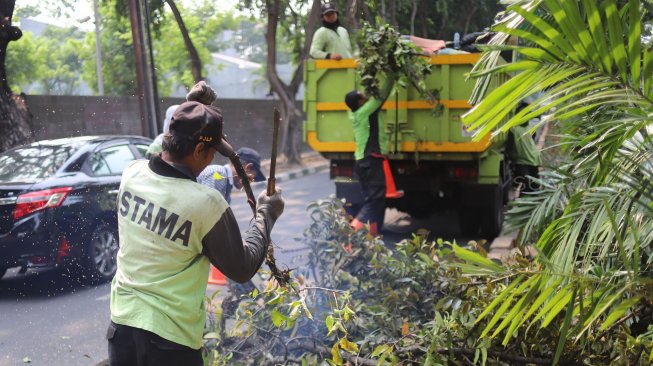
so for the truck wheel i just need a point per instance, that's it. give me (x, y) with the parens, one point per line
(417, 204)
(469, 219)
(492, 219)
(101, 258)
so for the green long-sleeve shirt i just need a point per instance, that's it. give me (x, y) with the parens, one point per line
(361, 121)
(326, 41)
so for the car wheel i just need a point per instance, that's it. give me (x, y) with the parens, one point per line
(102, 253)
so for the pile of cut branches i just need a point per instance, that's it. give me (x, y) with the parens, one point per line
(382, 52)
(375, 305)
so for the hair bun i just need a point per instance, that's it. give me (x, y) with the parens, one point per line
(202, 93)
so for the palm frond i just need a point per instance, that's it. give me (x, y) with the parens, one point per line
(584, 65)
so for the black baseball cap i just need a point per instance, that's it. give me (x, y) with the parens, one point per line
(328, 7)
(351, 100)
(248, 156)
(199, 122)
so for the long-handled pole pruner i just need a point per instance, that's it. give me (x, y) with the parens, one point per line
(204, 94)
(273, 157)
(282, 277)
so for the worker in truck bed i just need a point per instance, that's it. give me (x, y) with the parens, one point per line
(371, 147)
(331, 41)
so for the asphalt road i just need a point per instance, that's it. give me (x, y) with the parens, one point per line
(52, 319)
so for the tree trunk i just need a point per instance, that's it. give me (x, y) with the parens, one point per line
(423, 21)
(413, 14)
(392, 13)
(469, 19)
(195, 62)
(14, 116)
(351, 9)
(444, 19)
(367, 14)
(291, 116)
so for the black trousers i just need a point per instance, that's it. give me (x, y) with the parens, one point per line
(523, 175)
(129, 346)
(369, 172)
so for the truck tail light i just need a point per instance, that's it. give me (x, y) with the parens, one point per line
(342, 171)
(40, 200)
(464, 173)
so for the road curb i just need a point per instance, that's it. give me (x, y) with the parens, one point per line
(294, 174)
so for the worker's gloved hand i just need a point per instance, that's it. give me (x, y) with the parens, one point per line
(203, 93)
(273, 205)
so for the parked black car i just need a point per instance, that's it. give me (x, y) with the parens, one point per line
(58, 202)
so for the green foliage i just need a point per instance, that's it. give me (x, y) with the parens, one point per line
(22, 62)
(585, 66)
(373, 304)
(115, 38)
(409, 304)
(384, 52)
(50, 64)
(203, 22)
(438, 19)
(53, 62)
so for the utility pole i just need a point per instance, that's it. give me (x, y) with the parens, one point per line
(155, 88)
(98, 50)
(144, 77)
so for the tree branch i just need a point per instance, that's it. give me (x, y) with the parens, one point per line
(195, 62)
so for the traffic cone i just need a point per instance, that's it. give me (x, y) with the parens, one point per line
(390, 188)
(216, 277)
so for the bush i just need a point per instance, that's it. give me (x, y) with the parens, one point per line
(374, 305)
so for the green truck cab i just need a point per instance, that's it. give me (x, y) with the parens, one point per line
(432, 156)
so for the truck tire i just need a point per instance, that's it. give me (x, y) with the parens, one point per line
(492, 218)
(469, 220)
(418, 204)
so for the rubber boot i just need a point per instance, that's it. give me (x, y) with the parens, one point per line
(356, 224)
(374, 229)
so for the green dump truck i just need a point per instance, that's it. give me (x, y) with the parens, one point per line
(432, 156)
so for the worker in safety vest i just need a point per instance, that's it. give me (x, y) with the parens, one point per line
(331, 40)
(371, 147)
(170, 229)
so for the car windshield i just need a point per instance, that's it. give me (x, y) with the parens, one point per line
(34, 162)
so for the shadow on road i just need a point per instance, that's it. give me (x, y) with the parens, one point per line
(42, 284)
